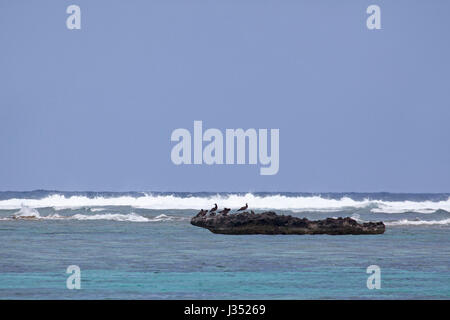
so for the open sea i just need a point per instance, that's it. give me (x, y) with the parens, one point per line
(141, 245)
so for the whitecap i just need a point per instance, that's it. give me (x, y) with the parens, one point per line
(26, 212)
(256, 202)
(405, 222)
(132, 217)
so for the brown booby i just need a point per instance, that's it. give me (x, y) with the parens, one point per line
(243, 208)
(225, 211)
(213, 209)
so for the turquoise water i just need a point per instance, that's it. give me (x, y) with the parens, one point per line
(164, 257)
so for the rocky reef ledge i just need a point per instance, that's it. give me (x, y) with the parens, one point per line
(271, 223)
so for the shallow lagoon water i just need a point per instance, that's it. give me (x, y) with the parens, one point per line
(167, 258)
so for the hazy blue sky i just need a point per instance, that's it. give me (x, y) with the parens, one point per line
(93, 109)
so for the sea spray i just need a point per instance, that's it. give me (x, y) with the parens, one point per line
(295, 203)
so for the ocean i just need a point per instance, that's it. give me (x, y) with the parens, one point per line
(141, 245)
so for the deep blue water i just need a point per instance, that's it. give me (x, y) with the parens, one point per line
(142, 246)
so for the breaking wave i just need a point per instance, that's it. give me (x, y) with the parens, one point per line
(405, 222)
(132, 217)
(275, 202)
(27, 213)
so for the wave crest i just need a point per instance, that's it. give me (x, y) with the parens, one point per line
(27, 213)
(275, 202)
(405, 222)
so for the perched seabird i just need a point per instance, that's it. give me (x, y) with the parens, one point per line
(243, 208)
(202, 213)
(252, 212)
(213, 209)
(225, 211)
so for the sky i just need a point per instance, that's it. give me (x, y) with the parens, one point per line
(93, 109)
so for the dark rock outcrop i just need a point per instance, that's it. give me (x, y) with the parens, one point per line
(271, 223)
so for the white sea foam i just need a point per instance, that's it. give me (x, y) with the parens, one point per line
(132, 217)
(163, 217)
(27, 213)
(276, 202)
(405, 222)
(411, 206)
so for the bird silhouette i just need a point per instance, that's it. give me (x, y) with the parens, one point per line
(213, 209)
(243, 208)
(225, 211)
